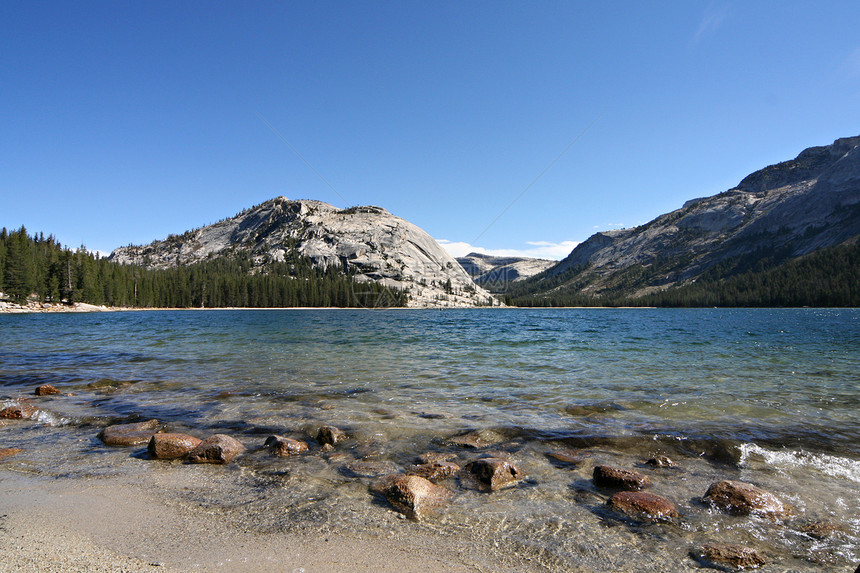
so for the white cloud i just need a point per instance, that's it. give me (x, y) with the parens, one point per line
(712, 19)
(535, 249)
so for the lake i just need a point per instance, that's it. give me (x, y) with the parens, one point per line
(767, 396)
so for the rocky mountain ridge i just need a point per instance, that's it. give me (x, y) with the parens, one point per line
(496, 273)
(782, 211)
(368, 242)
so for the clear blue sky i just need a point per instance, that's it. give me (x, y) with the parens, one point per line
(122, 122)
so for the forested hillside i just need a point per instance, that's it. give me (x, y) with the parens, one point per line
(39, 266)
(829, 277)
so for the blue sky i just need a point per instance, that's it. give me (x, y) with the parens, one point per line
(509, 126)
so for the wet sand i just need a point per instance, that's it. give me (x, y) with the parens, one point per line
(111, 524)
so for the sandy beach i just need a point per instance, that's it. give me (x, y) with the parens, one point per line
(64, 525)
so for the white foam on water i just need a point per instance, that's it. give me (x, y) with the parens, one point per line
(833, 466)
(50, 418)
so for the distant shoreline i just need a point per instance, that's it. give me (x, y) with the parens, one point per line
(33, 308)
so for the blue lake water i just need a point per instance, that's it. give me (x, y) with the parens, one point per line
(768, 395)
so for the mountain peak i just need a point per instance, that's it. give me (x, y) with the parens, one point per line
(809, 164)
(779, 212)
(367, 241)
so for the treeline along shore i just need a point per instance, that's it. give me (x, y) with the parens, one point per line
(40, 268)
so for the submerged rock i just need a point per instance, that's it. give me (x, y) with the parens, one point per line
(369, 468)
(171, 446)
(820, 529)
(643, 506)
(329, 435)
(369, 449)
(435, 457)
(737, 556)
(619, 478)
(18, 411)
(494, 473)
(475, 439)
(566, 457)
(413, 496)
(283, 447)
(9, 452)
(741, 498)
(217, 449)
(434, 471)
(46, 390)
(129, 434)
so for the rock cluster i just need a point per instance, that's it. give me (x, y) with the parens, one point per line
(424, 488)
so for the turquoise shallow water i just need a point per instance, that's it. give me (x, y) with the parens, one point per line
(771, 395)
(770, 375)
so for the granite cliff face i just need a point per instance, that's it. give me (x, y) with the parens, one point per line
(783, 211)
(368, 241)
(495, 273)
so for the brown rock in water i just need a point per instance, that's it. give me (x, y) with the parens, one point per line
(619, 478)
(661, 462)
(171, 446)
(129, 434)
(46, 390)
(494, 473)
(741, 498)
(9, 452)
(413, 496)
(283, 447)
(566, 457)
(217, 449)
(643, 506)
(736, 556)
(18, 412)
(435, 471)
(330, 435)
(475, 439)
(820, 529)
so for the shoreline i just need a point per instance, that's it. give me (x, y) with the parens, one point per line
(81, 307)
(119, 524)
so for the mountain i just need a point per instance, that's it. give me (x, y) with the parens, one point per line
(495, 273)
(368, 243)
(774, 215)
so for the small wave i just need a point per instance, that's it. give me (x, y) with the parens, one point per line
(834, 466)
(51, 419)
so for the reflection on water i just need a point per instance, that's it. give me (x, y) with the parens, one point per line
(767, 396)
